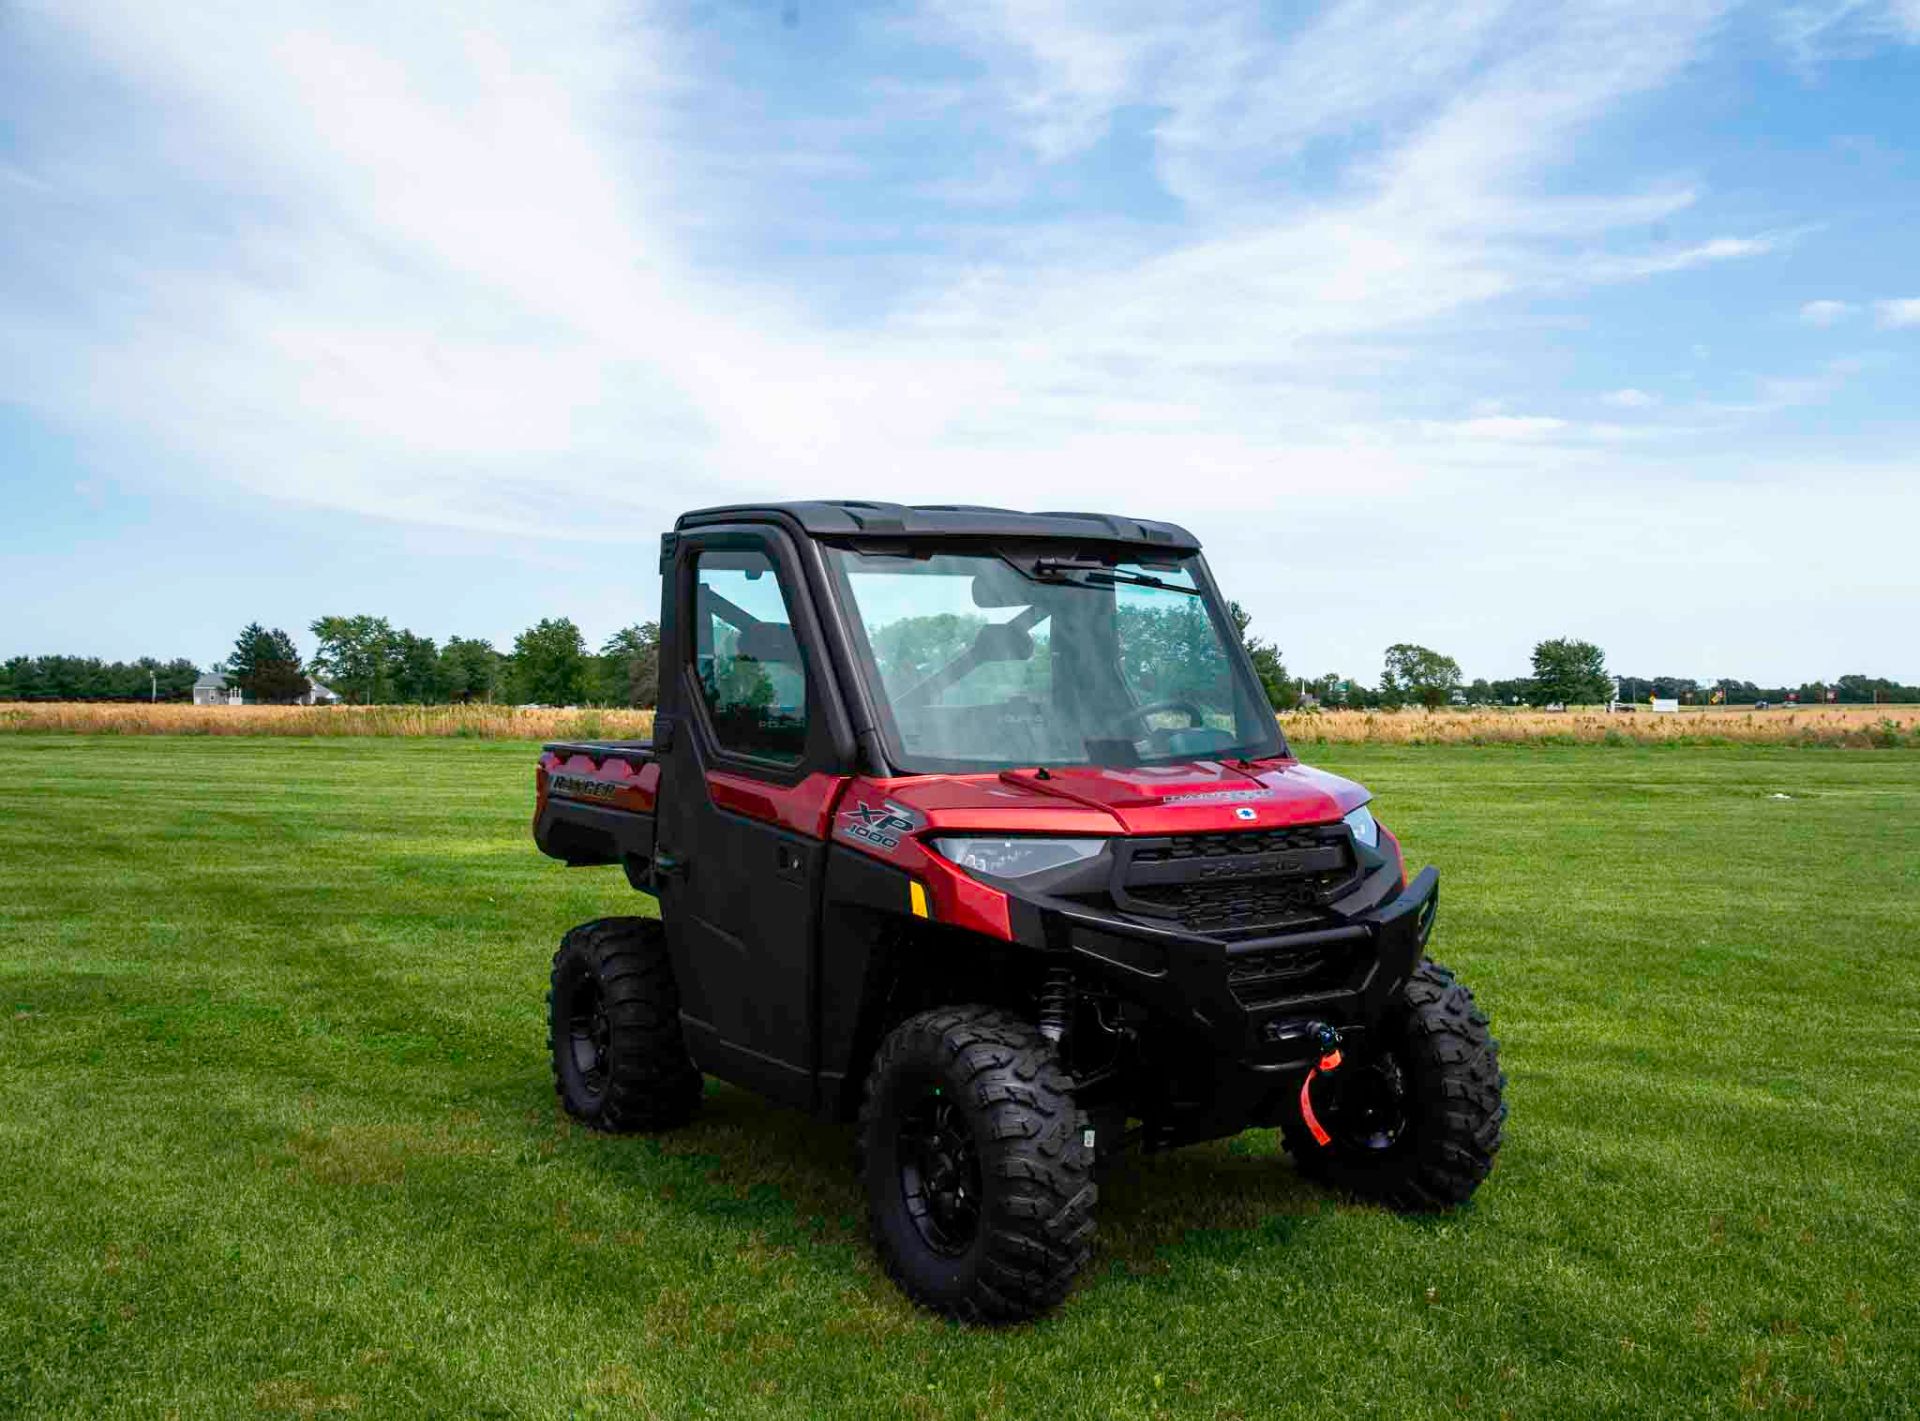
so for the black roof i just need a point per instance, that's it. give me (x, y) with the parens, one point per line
(857, 518)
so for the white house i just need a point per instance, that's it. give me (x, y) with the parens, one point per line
(213, 690)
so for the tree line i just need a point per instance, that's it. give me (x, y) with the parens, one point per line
(88, 678)
(1566, 671)
(365, 660)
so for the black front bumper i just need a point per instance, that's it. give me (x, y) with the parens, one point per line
(1257, 1001)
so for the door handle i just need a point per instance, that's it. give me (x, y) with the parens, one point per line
(668, 864)
(787, 858)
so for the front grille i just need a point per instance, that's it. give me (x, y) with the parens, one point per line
(1233, 844)
(1238, 884)
(1224, 908)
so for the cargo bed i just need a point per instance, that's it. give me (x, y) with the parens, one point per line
(595, 802)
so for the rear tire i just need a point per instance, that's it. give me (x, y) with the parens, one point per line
(1415, 1122)
(620, 1061)
(979, 1180)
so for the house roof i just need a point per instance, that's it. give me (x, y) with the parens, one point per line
(210, 682)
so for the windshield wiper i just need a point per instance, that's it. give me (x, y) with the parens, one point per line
(1098, 574)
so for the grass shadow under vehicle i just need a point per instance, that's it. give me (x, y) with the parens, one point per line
(1151, 1206)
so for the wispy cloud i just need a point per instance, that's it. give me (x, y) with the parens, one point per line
(1501, 426)
(1832, 29)
(1630, 399)
(1718, 249)
(1826, 313)
(447, 265)
(1776, 393)
(1900, 314)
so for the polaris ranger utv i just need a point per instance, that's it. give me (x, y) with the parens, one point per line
(976, 827)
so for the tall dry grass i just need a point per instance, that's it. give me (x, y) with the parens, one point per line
(1879, 727)
(1887, 727)
(462, 722)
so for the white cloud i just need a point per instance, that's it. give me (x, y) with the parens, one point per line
(1487, 90)
(1500, 426)
(1075, 73)
(462, 279)
(1775, 393)
(1898, 314)
(1629, 399)
(1833, 29)
(1718, 249)
(1788, 391)
(1826, 313)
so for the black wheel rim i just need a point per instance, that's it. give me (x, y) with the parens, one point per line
(1364, 1105)
(940, 1174)
(588, 1033)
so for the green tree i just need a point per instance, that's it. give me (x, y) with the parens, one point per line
(550, 663)
(355, 656)
(31, 678)
(1570, 673)
(1419, 673)
(469, 669)
(909, 648)
(416, 669)
(164, 680)
(627, 670)
(1335, 690)
(265, 665)
(1856, 689)
(1282, 694)
(60, 678)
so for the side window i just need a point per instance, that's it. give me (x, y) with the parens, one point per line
(747, 657)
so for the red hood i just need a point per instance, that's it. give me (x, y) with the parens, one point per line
(1198, 797)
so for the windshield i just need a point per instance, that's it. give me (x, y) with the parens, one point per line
(983, 664)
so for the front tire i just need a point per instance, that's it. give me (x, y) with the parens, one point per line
(1415, 1122)
(979, 1180)
(620, 1061)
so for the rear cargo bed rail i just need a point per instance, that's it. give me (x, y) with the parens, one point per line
(600, 749)
(596, 804)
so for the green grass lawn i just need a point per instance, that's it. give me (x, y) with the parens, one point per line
(277, 1136)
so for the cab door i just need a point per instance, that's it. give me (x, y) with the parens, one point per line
(751, 770)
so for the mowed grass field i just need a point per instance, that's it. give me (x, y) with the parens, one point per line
(277, 1137)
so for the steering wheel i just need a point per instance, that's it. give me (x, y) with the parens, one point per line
(1196, 718)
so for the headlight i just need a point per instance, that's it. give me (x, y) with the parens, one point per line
(1016, 858)
(1366, 829)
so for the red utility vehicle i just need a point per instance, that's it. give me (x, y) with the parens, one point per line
(976, 827)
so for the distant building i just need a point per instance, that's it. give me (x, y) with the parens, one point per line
(213, 690)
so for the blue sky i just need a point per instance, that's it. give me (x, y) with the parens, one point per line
(1465, 323)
